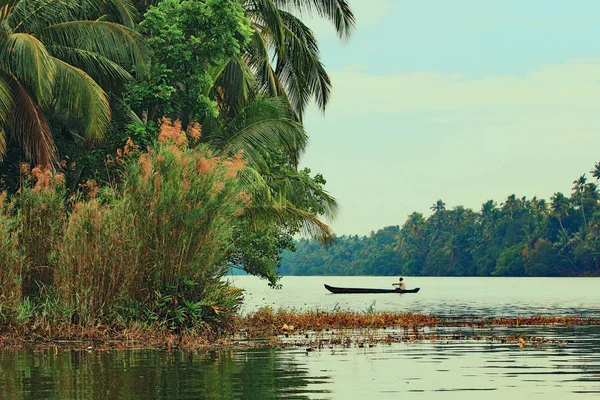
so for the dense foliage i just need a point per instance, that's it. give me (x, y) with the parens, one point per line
(519, 237)
(148, 147)
(58, 58)
(93, 254)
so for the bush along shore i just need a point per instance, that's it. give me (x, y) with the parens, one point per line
(149, 250)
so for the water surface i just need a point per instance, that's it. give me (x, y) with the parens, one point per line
(568, 368)
(438, 295)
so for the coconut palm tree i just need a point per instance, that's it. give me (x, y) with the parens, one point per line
(579, 186)
(56, 55)
(439, 206)
(560, 206)
(488, 217)
(596, 171)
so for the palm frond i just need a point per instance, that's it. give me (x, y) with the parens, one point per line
(299, 66)
(253, 183)
(78, 93)
(33, 15)
(337, 11)
(6, 100)
(105, 72)
(259, 62)
(265, 13)
(6, 7)
(281, 213)
(235, 83)
(298, 186)
(109, 39)
(260, 124)
(127, 115)
(25, 56)
(29, 125)
(124, 11)
(2, 142)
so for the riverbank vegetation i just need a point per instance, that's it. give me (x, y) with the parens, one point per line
(516, 237)
(312, 330)
(146, 148)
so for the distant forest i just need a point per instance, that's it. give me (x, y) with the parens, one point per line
(517, 237)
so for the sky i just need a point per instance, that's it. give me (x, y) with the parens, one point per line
(459, 100)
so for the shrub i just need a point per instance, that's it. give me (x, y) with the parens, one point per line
(169, 228)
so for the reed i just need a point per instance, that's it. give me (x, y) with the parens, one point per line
(151, 248)
(12, 259)
(41, 213)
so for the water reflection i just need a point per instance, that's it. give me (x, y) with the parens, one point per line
(428, 370)
(252, 374)
(449, 370)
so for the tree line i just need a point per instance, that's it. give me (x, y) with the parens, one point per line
(516, 237)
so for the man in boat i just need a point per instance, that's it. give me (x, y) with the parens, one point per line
(400, 284)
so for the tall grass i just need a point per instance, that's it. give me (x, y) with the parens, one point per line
(41, 214)
(157, 241)
(11, 257)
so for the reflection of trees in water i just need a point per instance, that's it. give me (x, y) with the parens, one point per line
(251, 374)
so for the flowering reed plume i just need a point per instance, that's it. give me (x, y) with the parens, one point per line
(171, 132)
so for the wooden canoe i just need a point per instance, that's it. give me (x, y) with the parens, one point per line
(333, 289)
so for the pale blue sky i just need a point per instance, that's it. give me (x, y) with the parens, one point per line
(463, 100)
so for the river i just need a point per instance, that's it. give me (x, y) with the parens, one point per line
(566, 368)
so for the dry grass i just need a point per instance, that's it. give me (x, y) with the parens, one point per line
(311, 330)
(266, 323)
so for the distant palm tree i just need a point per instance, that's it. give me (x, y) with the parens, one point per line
(559, 205)
(57, 55)
(488, 217)
(596, 171)
(439, 206)
(511, 206)
(579, 186)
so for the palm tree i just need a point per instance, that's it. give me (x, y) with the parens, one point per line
(488, 218)
(596, 171)
(560, 208)
(439, 206)
(511, 206)
(55, 56)
(579, 186)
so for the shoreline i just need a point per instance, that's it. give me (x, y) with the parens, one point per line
(311, 330)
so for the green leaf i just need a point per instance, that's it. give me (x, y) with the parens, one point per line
(26, 57)
(337, 11)
(78, 93)
(108, 39)
(261, 124)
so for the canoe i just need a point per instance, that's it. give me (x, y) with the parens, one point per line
(333, 289)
